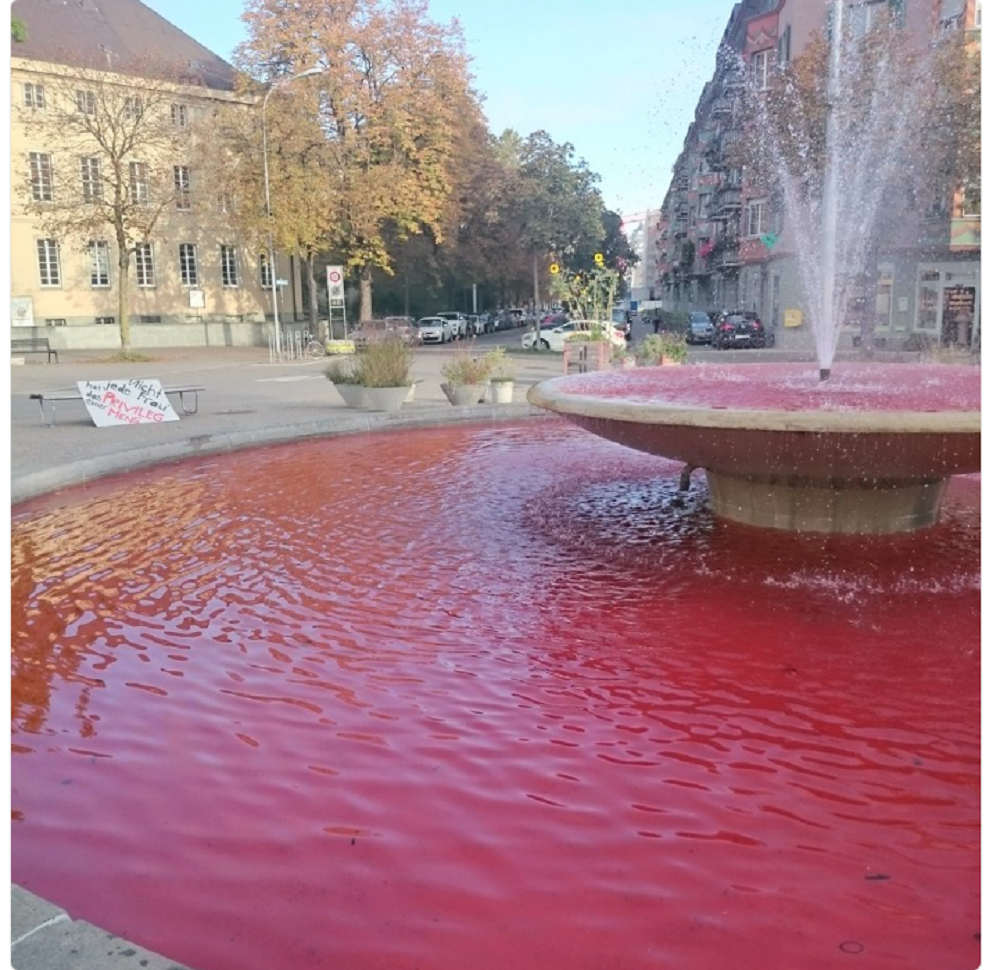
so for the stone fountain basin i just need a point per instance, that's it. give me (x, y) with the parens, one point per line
(869, 450)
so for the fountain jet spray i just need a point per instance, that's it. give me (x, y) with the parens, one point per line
(828, 215)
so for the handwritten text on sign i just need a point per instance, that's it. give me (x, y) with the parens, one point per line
(126, 402)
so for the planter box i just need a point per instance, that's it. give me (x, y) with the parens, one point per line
(354, 395)
(463, 395)
(387, 398)
(582, 356)
(500, 392)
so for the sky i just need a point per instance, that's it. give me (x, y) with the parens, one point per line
(618, 82)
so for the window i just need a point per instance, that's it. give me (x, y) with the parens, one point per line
(138, 182)
(100, 263)
(225, 202)
(189, 264)
(704, 200)
(105, 321)
(228, 256)
(90, 172)
(132, 109)
(48, 262)
(972, 203)
(977, 20)
(862, 17)
(40, 167)
(55, 321)
(34, 96)
(755, 218)
(265, 271)
(86, 102)
(762, 68)
(179, 115)
(182, 186)
(883, 298)
(144, 265)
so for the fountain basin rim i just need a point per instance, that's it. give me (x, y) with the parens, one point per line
(545, 396)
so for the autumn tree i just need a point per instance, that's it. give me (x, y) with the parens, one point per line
(302, 185)
(392, 88)
(114, 171)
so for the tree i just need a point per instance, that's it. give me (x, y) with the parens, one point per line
(114, 170)
(18, 30)
(302, 190)
(393, 86)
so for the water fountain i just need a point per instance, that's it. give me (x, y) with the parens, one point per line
(868, 452)
(509, 696)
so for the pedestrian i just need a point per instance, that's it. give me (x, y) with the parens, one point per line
(656, 322)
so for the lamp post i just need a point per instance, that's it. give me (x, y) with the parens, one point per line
(309, 72)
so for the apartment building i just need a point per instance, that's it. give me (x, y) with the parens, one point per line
(193, 279)
(726, 243)
(640, 229)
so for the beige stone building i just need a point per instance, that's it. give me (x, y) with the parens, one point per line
(193, 280)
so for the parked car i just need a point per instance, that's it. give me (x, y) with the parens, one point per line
(700, 329)
(459, 325)
(741, 330)
(554, 338)
(368, 330)
(435, 330)
(476, 324)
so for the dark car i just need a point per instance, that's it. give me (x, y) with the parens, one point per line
(700, 329)
(740, 330)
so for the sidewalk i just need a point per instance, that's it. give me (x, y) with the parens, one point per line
(247, 401)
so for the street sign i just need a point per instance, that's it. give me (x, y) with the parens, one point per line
(335, 285)
(281, 282)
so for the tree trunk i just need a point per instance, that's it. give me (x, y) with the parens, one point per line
(366, 293)
(313, 296)
(123, 324)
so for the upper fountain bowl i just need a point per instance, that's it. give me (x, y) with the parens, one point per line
(867, 451)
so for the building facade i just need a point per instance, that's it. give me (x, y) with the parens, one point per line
(724, 243)
(193, 279)
(640, 229)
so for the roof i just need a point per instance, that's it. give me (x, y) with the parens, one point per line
(116, 35)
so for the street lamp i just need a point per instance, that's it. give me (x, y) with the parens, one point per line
(267, 201)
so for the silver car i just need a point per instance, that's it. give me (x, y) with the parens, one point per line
(459, 327)
(435, 330)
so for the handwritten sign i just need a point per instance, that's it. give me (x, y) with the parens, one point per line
(126, 402)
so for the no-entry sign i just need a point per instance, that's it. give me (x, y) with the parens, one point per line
(335, 285)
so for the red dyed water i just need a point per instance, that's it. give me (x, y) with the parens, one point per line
(789, 387)
(490, 698)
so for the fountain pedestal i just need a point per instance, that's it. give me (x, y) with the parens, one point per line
(779, 502)
(869, 450)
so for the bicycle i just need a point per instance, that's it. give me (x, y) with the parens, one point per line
(313, 348)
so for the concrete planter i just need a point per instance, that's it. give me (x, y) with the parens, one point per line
(462, 395)
(354, 395)
(387, 398)
(500, 392)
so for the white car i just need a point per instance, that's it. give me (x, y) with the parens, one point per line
(459, 327)
(554, 338)
(477, 324)
(435, 330)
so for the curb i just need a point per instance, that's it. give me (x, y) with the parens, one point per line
(35, 484)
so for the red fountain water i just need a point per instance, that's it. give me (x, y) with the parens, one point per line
(492, 697)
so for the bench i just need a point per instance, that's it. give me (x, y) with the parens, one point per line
(33, 345)
(54, 397)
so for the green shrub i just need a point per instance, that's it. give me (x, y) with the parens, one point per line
(464, 368)
(342, 371)
(658, 345)
(385, 361)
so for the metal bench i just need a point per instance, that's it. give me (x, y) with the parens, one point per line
(33, 345)
(73, 394)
